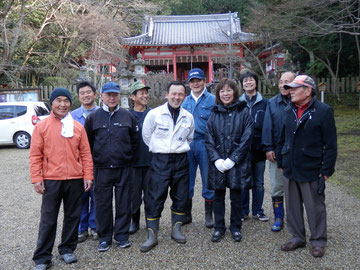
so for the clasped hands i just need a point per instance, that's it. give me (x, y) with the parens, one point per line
(224, 165)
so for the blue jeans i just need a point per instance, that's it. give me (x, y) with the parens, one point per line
(198, 157)
(87, 218)
(257, 170)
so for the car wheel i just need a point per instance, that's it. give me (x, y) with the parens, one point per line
(22, 140)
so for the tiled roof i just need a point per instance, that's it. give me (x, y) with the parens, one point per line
(190, 29)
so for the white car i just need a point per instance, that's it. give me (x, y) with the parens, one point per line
(17, 121)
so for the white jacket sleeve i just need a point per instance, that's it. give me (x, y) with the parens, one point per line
(148, 128)
(192, 131)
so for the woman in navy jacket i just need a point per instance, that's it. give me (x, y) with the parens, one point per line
(228, 142)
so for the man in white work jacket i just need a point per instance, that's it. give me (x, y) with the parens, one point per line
(168, 131)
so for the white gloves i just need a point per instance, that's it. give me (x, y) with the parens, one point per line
(224, 165)
(229, 163)
(219, 164)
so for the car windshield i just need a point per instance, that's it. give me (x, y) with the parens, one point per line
(42, 109)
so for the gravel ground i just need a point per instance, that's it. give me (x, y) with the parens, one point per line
(259, 249)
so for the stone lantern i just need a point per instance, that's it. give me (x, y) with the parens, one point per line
(139, 68)
(124, 81)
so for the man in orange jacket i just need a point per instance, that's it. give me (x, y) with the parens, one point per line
(61, 169)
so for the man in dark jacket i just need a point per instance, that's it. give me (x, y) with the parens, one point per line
(270, 136)
(257, 106)
(112, 133)
(142, 157)
(306, 153)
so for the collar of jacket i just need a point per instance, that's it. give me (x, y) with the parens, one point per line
(205, 93)
(239, 105)
(258, 98)
(280, 99)
(106, 108)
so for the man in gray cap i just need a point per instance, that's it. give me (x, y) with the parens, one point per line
(142, 157)
(112, 133)
(61, 168)
(306, 153)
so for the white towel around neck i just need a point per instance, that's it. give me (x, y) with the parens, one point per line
(67, 129)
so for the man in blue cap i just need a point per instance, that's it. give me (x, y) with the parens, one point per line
(113, 134)
(199, 103)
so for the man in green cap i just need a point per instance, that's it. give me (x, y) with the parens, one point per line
(141, 162)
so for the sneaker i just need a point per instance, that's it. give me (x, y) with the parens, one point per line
(244, 217)
(124, 244)
(68, 258)
(82, 236)
(94, 234)
(261, 217)
(103, 246)
(42, 266)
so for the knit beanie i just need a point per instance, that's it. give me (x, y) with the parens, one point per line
(60, 92)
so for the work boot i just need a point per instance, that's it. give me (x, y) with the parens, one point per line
(152, 225)
(176, 222)
(278, 205)
(187, 216)
(209, 221)
(135, 222)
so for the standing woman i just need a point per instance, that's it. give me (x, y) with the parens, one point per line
(228, 141)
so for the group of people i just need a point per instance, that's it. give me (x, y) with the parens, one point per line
(139, 154)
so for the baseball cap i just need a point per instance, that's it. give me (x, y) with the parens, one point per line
(196, 73)
(137, 86)
(110, 87)
(301, 80)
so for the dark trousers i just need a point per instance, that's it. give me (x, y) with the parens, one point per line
(68, 191)
(219, 210)
(298, 194)
(140, 181)
(106, 180)
(168, 170)
(87, 218)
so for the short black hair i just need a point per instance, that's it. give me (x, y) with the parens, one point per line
(232, 84)
(248, 74)
(84, 84)
(175, 83)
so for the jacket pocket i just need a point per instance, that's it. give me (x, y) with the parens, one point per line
(205, 111)
(161, 131)
(313, 152)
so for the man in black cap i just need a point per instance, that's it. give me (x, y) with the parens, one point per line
(61, 169)
(113, 134)
(306, 153)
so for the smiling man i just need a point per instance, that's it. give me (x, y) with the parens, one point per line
(274, 118)
(141, 163)
(306, 153)
(61, 169)
(87, 94)
(168, 131)
(113, 134)
(199, 103)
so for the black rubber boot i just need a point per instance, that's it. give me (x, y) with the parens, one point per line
(176, 222)
(152, 240)
(209, 221)
(188, 217)
(135, 222)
